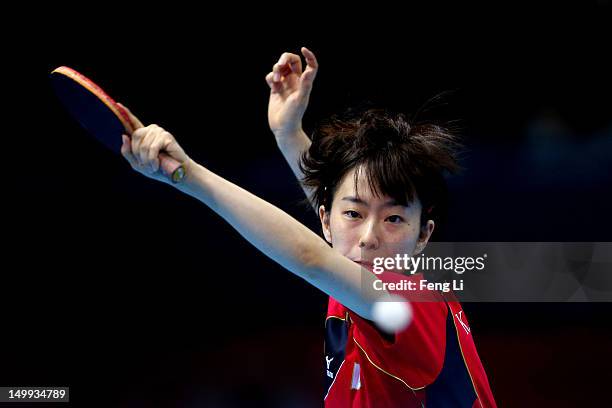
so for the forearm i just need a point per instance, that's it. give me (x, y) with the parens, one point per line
(292, 146)
(282, 238)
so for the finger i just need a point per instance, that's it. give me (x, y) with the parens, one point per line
(270, 79)
(280, 71)
(311, 59)
(136, 123)
(126, 151)
(136, 140)
(287, 64)
(169, 145)
(165, 143)
(293, 61)
(275, 86)
(139, 134)
(142, 153)
(308, 77)
(155, 148)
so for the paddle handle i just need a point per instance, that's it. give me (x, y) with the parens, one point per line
(174, 170)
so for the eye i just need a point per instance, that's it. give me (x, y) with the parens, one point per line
(395, 219)
(352, 214)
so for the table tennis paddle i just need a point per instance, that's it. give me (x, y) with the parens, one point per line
(101, 116)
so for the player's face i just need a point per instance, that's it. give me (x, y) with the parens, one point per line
(363, 227)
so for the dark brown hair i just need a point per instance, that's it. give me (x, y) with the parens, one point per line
(399, 159)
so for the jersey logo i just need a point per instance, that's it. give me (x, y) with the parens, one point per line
(328, 361)
(465, 326)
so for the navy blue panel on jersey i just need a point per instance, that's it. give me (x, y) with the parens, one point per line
(336, 336)
(453, 387)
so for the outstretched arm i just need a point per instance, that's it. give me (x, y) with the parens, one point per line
(269, 229)
(289, 95)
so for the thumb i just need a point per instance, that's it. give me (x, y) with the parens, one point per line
(136, 123)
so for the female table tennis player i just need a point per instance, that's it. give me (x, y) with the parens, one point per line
(376, 183)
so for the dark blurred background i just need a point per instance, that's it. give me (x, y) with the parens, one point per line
(136, 296)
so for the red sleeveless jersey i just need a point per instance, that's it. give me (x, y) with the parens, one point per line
(432, 363)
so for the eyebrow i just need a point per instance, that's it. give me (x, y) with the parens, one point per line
(357, 200)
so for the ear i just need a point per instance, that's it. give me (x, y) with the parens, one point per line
(424, 235)
(324, 217)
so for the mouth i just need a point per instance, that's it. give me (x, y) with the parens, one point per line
(365, 264)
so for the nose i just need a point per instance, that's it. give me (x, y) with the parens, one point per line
(369, 236)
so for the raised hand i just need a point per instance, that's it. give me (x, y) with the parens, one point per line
(290, 89)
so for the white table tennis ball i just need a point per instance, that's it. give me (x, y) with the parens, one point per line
(393, 314)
